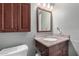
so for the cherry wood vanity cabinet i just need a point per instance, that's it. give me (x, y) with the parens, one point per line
(14, 17)
(57, 48)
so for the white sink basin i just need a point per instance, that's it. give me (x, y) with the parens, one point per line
(50, 39)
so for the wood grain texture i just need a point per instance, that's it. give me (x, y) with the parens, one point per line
(7, 17)
(60, 49)
(0, 17)
(14, 17)
(24, 21)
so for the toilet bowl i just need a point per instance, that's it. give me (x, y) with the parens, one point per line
(20, 50)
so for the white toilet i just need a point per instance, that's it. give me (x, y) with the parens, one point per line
(20, 50)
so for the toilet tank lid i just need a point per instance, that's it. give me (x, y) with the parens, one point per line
(14, 49)
(24, 46)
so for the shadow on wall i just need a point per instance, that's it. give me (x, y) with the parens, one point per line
(72, 51)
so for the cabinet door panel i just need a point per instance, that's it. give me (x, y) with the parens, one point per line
(8, 24)
(10, 17)
(0, 17)
(15, 16)
(24, 22)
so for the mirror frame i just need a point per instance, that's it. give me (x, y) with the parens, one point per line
(38, 19)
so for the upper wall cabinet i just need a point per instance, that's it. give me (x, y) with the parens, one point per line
(14, 17)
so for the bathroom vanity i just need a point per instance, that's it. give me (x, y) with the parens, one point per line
(48, 44)
(52, 47)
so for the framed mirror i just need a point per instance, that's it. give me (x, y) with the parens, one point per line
(44, 20)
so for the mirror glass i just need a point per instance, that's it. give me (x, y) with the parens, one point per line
(44, 22)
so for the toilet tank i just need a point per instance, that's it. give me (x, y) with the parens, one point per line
(20, 50)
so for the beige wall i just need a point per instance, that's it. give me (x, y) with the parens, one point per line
(67, 16)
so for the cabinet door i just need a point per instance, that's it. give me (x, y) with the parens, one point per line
(15, 16)
(0, 17)
(7, 18)
(24, 21)
(9, 21)
(65, 49)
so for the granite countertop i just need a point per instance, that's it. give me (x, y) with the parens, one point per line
(50, 43)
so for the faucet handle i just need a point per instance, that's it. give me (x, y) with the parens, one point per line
(58, 28)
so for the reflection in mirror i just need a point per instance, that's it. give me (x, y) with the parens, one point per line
(44, 23)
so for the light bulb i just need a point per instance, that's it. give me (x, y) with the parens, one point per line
(51, 7)
(48, 6)
(44, 4)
